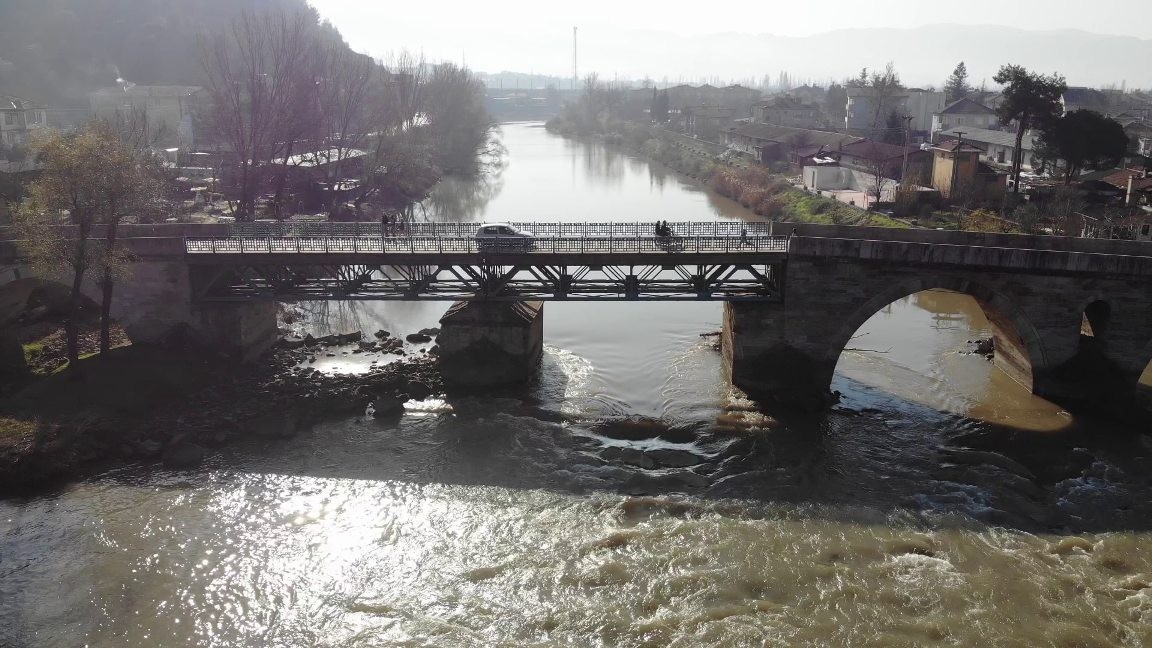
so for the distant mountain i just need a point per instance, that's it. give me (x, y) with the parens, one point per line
(56, 51)
(923, 56)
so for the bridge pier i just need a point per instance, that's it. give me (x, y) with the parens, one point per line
(768, 364)
(484, 343)
(157, 302)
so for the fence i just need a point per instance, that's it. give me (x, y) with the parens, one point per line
(576, 244)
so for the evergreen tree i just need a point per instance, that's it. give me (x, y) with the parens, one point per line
(1030, 100)
(956, 87)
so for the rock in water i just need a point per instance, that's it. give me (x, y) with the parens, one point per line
(432, 332)
(417, 338)
(388, 404)
(183, 454)
(381, 334)
(309, 341)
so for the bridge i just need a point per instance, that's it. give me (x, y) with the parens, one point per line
(793, 294)
(717, 260)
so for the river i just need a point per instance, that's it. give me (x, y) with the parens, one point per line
(939, 504)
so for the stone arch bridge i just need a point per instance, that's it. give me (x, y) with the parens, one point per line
(794, 294)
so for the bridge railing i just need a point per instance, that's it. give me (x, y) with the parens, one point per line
(468, 244)
(468, 229)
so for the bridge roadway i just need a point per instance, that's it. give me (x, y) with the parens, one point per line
(572, 261)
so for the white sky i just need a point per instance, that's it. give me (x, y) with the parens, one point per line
(495, 35)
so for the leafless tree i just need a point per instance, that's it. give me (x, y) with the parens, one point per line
(262, 76)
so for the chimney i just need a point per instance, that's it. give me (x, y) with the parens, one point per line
(1128, 196)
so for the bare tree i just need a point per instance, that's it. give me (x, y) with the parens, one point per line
(885, 88)
(352, 107)
(261, 75)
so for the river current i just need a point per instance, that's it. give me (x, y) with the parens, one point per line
(627, 497)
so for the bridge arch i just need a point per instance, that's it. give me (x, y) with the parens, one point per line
(1020, 348)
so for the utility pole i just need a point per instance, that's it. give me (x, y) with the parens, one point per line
(955, 164)
(907, 137)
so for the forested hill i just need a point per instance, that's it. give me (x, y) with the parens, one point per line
(55, 51)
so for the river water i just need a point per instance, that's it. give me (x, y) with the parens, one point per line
(628, 497)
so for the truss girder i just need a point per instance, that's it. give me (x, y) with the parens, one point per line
(722, 281)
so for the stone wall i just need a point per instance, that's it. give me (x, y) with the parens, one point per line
(790, 350)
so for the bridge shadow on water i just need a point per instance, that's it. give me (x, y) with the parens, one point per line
(895, 463)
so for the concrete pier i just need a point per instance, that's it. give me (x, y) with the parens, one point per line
(491, 343)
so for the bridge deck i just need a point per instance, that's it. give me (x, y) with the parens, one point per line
(583, 261)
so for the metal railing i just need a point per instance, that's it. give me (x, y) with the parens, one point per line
(440, 238)
(447, 245)
(468, 229)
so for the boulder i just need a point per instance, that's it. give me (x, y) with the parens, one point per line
(367, 345)
(292, 343)
(310, 341)
(381, 334)
(418, 338)
(354, 336)
(418, 390)
(388, 404)
(183, 454)
(431, 332)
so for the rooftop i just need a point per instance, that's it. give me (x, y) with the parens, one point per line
(986, 136)
(967, 106)
(954, 146)
(872, 150)
(8, 102)
(787, 135)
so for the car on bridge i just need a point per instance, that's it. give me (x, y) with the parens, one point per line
(503, 235)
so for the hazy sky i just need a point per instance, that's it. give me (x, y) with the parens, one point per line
(494, 35)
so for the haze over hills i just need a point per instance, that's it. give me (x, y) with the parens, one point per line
(55, 51)
(923, 56)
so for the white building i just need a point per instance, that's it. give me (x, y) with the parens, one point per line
(167, 109)
(19, 121)
(964, 113)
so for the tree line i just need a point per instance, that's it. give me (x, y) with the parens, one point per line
(279, 88)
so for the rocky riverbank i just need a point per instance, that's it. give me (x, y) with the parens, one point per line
(176, 405)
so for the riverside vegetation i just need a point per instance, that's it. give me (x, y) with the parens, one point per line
(759, 189)
(174, 403)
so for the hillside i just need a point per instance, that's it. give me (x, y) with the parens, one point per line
(56, 51)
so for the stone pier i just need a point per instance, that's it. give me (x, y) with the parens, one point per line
(491, 343)
(156, 302)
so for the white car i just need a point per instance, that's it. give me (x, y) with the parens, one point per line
(503, 235)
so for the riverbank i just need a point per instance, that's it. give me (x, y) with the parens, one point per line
(756, 188)
(177, 404)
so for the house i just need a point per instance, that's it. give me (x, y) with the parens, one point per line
(1133, 226)
(788, 111)
(998, 147)
(813, 95)
(870, 156)
(957, 171)
(767, 143)
(921, 106)
(20, 119)
(868, 111)
(167, 110)
(1081, 98)
(1134, 183)
(964, 113)
(1139, 134)
(709, 122)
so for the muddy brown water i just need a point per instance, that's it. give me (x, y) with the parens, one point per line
(628, 497)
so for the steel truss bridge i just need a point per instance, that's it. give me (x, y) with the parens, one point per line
(730, 261)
